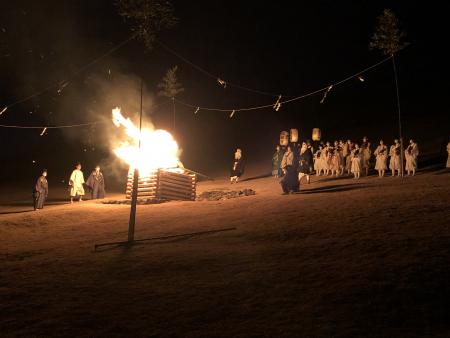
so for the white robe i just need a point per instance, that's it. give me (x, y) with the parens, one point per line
(411, 154)
(76, 183)
(365, 157)
(394, 163)
(356, 162)
(348, 161)
(381, 156)
(323, 159)
(317, 161)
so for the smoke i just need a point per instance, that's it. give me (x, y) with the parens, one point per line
(94, 102)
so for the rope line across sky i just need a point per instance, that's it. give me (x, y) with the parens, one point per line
(324, 89)
(197, 108)
(71, 125)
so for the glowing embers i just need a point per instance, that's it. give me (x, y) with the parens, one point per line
(162, 184)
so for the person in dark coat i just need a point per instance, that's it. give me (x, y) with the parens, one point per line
(40, 192)
(305, 162)
(96, 183)
(276, 162)
(296, 154)
(237, 168)
(289, 182)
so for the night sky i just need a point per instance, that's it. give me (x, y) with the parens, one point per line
(287, 48)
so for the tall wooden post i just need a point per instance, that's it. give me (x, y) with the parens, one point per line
(400, 132)
(134, 193)
(173, 110)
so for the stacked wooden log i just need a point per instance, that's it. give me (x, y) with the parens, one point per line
(164, 185)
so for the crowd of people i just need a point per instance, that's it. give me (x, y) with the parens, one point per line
(293, 161)
(297, 160)
(95, 183)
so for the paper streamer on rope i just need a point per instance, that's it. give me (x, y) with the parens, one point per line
(293, 99)
(277, 104)
(43, 131)
(63, 85)
(207, 73)
(326, 93)
(222, 82)
(4, 109)
(360, 78)
(196, 111)
(232, 113)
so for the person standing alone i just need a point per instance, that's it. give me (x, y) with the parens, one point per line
(237, 168)
(76, 183)
(411, 155)
(40, 192)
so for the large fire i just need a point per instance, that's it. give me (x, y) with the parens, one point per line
(158, 149)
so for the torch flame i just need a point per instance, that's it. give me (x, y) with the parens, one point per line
(158, 149)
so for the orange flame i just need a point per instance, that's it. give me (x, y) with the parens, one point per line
(158, 148)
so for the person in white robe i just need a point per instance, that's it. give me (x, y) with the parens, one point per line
(76, 182)
(341, 155)
(348, 159)
(318, 161)
(336, 161)
(356, 162)
(323, 160)
(328, 156)
(411, 155)
(394, 162)
(381, 158)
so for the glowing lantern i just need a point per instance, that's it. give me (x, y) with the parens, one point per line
(316, 134)
(284, 138)
(294, 135)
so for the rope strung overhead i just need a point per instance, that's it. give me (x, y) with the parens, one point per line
(279, 102)
(52, 127)
(64, 83)
(71, 125)
(219, 80)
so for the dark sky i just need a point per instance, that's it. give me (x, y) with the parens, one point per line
(284, 47)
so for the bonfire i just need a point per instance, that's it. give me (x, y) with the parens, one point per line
(155, 154)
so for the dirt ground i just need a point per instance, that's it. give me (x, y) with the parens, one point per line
(367, 258)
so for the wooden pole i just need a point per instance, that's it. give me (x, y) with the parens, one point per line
(400, 132)
(173, 107)
(134, 194)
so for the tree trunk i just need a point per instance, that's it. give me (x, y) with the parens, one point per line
(173, 103)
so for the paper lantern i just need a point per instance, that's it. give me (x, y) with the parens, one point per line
(316, 134)
(284, 138)
(294, 135)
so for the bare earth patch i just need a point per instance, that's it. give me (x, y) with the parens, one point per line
(367, 258)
